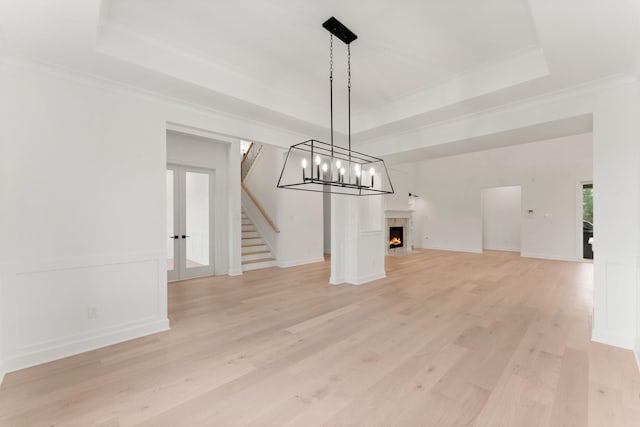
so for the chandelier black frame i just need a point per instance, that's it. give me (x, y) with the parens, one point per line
(328, 168)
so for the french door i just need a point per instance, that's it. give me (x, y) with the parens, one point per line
(189, 234)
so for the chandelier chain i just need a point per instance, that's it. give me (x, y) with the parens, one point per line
(331, 87)
(349, 92)
(331, 57)
(349, 65)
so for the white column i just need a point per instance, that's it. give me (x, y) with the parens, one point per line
(357, 239)
(235, 216)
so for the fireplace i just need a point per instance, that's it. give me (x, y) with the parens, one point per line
(398, 233)
(396, 237)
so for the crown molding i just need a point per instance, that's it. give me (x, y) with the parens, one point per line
(198, 68)
(101, 82)
(593, 86)
(514, 69)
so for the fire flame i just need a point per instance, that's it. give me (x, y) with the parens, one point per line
(395, 241)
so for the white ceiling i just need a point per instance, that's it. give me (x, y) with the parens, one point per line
(415, 63)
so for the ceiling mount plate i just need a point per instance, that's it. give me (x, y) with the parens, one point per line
(336, 28)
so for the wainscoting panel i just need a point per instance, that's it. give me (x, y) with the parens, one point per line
(67, 309)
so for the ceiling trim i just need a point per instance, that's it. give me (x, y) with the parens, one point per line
(120, 42)
(105, 83)
(593, 86)
(512, 70)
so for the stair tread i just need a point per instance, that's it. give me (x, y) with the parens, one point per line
(250, 245)
(256, 252)
(253, 261)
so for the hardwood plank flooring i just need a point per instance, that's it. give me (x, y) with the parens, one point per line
(447, 339)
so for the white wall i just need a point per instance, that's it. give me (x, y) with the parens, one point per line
(263, 177)
(3, 188)
(192, 150)
(401, 180)
(83, 198)
(298, 214)
(300, 219)
(616, 209)
(501, 218)
(547, 171)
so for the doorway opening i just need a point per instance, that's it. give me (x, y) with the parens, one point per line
(587, 221)
(502, 218)
(189, 222)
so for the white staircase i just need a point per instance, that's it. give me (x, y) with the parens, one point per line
(255, 253)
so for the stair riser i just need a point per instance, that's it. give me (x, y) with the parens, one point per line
(250, 234)
(258, 248)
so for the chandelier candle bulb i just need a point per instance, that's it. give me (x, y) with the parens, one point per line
(342, 175)
(318, 160)
(304, 169)
(325, 167)
(372, 172)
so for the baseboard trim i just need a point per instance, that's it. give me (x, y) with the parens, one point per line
(609, 338)
(454, 249)
(336, 280)
(369, 278)
(502, 249)
(549, 257)
(360, 281)
(287, 264)
(61, 350)
(1, 372)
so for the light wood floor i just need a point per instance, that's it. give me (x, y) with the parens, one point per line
(447, 339)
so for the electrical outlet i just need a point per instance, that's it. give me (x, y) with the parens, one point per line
(92, 312)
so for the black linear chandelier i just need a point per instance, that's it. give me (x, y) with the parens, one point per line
(318, 166)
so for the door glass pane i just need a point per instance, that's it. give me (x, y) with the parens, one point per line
(197, 219)
(170, 222)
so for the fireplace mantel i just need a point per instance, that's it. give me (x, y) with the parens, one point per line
(398, 213)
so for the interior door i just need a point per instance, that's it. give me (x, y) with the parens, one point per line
(189, 222)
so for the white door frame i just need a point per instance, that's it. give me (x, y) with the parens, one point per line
(180, 270)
